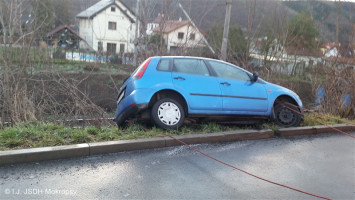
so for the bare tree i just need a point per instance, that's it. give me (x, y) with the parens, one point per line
(25, 96)
(63, 10)
(15, 105)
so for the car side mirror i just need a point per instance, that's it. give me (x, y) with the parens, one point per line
(255, 77)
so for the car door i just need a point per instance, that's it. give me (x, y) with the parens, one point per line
(238, 91)
(192, 77)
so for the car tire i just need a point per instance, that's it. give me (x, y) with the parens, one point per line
(285, 117)
(167, 113)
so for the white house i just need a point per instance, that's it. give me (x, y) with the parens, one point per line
(177, 34)
(107, 26)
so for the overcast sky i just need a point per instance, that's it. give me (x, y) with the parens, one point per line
(323, 0)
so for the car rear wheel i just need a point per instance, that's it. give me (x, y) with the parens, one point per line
(283, 116)
(168, 113)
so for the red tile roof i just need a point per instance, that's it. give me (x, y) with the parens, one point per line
(170, 26)
(328, 45)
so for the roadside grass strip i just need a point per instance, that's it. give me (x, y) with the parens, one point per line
(40, 134)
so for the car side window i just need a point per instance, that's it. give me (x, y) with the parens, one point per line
(164, 65)
(224, 70)
(191, 66)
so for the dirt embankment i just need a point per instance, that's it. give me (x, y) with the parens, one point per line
(74, 94)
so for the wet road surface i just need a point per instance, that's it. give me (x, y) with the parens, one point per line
(322, 164)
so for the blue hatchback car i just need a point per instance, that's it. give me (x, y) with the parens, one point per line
(169, 89)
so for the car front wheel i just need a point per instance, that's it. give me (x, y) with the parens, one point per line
(283, 116)
(168, 113)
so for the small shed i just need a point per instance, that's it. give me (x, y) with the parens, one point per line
(64, 37)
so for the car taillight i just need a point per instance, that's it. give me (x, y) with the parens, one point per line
(140, 72)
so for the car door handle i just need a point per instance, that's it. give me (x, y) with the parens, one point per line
(226, 83)
(179, 78)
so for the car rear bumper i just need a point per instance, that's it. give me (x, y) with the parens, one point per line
(129, 112)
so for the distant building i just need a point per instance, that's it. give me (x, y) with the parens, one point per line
(329, 50)
(107, 26)
(177, 34)
(340, 50)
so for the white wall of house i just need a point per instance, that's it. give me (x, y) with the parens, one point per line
(150, 27)
(97, 30)
(85, 31)
(173, 40)
(331, 52)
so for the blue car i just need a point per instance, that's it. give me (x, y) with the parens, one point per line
(168, 89)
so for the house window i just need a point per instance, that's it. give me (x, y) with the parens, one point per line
(99, 46)
(180, 35)
(113, 9)
(122, 48)
(111, 48)
(192, 36)
(112, 26)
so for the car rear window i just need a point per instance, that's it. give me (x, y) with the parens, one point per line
(191, 66)
(164, 65)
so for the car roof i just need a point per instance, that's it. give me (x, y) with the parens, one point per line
(193, 57)
(212, 59)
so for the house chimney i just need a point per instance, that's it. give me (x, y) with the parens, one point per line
(180, 19)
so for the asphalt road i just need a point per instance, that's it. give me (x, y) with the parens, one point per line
(322, 164)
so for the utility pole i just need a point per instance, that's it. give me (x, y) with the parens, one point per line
(136, 38)
(337, 25)
(226, 30)
(193, 24)
(352, 43)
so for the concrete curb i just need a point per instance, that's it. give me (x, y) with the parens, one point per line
(125, 145)
(313, 130)
(44, 153)
(88, 149)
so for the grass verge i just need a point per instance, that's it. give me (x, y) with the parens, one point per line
(37, 134)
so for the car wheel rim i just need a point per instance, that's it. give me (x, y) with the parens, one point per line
(169, 113)
(285, 116)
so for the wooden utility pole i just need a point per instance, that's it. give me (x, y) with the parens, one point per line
(352, 43)
(136, 38)
(337, 24)
(226, 30)
(251, 17)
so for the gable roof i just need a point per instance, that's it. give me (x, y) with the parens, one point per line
(328, 45)
(95, 9)
(60, 28)
(170, 26)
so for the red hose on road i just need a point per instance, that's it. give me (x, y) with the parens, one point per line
(258, 177)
